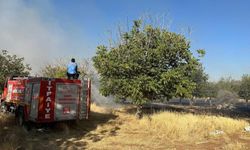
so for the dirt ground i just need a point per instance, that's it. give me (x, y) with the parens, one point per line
(90, 134)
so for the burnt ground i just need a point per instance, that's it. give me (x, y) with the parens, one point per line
(239, 110)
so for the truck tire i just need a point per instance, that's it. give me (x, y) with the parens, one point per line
(21, 121)
(20, 117)
(3, 107)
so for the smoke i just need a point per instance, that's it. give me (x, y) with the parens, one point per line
(96, 95)
(226, 99)
(100, 99)
(29, 29)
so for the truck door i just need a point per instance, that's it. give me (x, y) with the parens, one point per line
(31, 98)
(34, 97)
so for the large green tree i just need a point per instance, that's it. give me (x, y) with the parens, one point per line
(147, 64)
(11, 65)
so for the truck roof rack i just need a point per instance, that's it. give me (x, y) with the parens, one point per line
(20, 77)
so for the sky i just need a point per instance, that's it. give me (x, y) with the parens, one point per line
(44, 30)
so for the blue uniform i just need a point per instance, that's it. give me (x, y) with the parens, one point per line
(72, 68)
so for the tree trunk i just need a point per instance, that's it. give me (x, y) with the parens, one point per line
(210, 101)
(139, 113)
(180, 101)
(246, 102)
(191, 101)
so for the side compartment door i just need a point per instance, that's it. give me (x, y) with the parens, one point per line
(32, 98)
(35, 92)
(66, 101)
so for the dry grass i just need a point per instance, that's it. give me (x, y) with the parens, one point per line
(98, 109)
(168, 130)
(235, 146)
(183, 126)
(9, 141)
(119, 129)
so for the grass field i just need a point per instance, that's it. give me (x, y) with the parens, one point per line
(119, 129)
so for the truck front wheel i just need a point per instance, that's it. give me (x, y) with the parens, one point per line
(21, 121)
(20, 117)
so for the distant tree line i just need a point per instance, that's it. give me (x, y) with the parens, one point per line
(240, 88)
(58, 68)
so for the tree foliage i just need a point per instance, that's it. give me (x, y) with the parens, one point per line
(228, 84)
(148, 64)
(54, 70)
(11, 65)
(244, 90)
(200, 78)
(210, 90)
(58, 69)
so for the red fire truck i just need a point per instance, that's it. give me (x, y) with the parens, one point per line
(46, 100)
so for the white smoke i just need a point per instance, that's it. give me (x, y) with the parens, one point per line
(29, 29)
(226, 97)
(97, 97)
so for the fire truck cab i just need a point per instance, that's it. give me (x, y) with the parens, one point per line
(13, 93)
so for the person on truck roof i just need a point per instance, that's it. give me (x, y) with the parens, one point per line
(72, 72)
